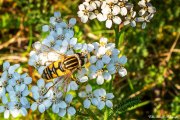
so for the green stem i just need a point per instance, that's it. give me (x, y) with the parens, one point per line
(106, 113)
(119, 36)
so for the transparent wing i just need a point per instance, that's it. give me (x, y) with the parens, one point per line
(41, 48)
(44, 51)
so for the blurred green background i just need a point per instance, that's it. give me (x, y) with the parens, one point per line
(153, 53)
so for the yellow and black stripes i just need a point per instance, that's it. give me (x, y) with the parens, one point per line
(71, 63)
(54, 70)
(64, 66)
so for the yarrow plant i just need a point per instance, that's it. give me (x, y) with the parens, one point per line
(86, 84)
(116, 11)
(102, 63)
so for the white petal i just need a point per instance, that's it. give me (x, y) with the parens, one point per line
(122, 60)
(123, 11)
(73, 85)
(133, 23)
(62, 104)
(2, 109)
(27, 80)
(90, 48)
(71, 110)
(117, 20)
(106, 59)
(93, 68)
(101, 105)
(41, 108)
(34, 106)
(109, 23)
(78, 46)
(84, 19)
(107, 76)
(6, 114)
(13, 68)
(65, 43)
(9, 88)
(45, 28)
(88, 88)
(6, 65)
(55, 108)
(40, 83)
(116, 10)
(100, 80)
(57, 14)
(87, 103)
(109, 104)
(83, 79)
(99, 64)
(92, 59)
(122, 72)
(82, 94)
(47, 103)
(24, 101)
(73, 41)
(144, 25)
(68, 98)
(62, 112)
(72, 21)
(4, 99)
(23, 111)
(94, 101)
(109, 96)
(14, 112)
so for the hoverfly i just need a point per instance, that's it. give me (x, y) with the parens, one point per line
(64, 67)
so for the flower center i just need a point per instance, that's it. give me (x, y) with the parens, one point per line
(19, 81)
(121, 4)
(51, 28)
(52, 43)
(18, 95)
(103, 98)
(85, 12)
(40, 100)
(4, 84)
(10, 76)
(110, 16)
(18, 106)
(42, 91)
(111, 5)
(90, 95)
(99, 72)
(58, 20)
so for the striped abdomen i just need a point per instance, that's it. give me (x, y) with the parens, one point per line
(71, 62)
(60, 68)
(54, 70)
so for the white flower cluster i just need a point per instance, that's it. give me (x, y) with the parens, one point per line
(102, 63)
(46, 98)
(14, 91)
(116, 11)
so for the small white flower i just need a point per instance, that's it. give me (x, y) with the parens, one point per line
(103, 98)
(83, 13)
(122, 72)
(6, 108)
(40, 94)
(69, 109)
(89, 97)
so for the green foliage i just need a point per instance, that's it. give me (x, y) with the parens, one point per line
(150, 73)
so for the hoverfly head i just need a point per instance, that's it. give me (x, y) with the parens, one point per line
(83, 57)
